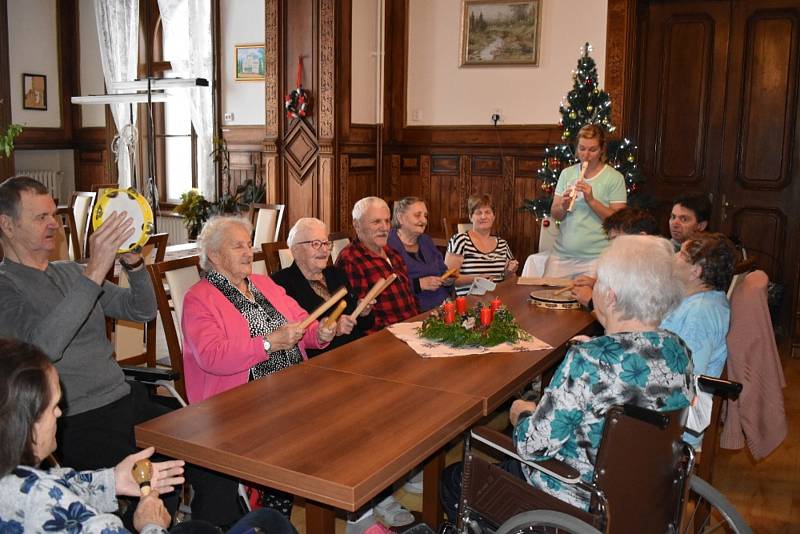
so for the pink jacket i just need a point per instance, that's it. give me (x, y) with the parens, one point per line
(218, 351)
(758, 417)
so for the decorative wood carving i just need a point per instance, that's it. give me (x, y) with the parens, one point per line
(300, 150)
(619, 75)
(445, 164)
(272, 54)
(345, 204)
(326, 69)
(325, 197)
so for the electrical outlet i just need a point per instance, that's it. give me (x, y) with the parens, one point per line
(497, 116)
(416, 115)
(228, 117)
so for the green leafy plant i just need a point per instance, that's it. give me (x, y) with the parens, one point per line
(195, 210)
(467, 331)
(7, 139)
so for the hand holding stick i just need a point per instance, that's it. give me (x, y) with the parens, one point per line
(584, 166)
(322, 307)
(564, 289)
(330, 320)
(448, 273)
(376, 290)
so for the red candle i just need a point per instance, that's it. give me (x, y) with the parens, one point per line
(449, 312)
(461, 305)
(496, 304)
(486, 316)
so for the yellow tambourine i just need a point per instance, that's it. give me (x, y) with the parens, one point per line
(130, 201)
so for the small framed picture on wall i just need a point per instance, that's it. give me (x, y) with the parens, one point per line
(34, 91)
(250, 62)
(500, 33)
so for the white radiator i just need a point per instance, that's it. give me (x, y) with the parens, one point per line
(174, 226)
(51, 179)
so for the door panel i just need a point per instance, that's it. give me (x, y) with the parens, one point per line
(760, 183)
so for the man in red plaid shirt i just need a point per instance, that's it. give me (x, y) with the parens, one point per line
(368, 259)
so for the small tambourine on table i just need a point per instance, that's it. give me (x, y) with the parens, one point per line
(136, 206)
(554, 299)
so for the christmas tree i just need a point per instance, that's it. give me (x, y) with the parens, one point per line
(586, 104)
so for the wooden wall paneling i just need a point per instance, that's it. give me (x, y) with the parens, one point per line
(6, 164)
(356, 181)
(273, 107)
(619, 80)
(525, 237)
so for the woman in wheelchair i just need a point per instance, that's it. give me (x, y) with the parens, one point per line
(635, 362)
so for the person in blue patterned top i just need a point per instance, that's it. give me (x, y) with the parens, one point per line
(33, 499)
(634, 362)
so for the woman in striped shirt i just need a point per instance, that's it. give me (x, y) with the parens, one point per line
(477, 253)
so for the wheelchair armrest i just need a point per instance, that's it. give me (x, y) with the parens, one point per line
(149, 374)
(501, 442)
(717, 386)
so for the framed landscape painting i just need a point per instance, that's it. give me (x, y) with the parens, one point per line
(250, 62)
(500, 32)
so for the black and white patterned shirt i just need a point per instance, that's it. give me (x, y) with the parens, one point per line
(262, 318)
(491, 265)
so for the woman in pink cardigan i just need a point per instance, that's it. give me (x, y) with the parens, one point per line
(239, 327)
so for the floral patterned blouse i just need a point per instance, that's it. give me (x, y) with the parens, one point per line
(61, 500)
(649, 369)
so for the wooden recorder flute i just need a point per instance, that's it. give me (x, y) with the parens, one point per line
(584, 166)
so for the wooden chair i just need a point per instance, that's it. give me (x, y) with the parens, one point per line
(66, 237)
(180, 275)
(135, 343)
(266, 219)
(452, 226)
(260, 263)
(98, 188)
(340, 240)
(277, 256)
(82, 203)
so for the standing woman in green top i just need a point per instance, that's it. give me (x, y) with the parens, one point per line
(597, 195)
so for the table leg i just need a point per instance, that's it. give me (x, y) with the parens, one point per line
(432, 511)
(319, 518)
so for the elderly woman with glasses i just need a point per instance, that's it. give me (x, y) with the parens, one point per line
(311, 281)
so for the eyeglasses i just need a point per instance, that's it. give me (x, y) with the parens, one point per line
(316, 244)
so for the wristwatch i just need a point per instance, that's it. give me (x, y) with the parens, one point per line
(131, 266)
(267, 344)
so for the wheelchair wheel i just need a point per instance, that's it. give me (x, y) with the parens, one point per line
(707, 510)
(545, 521)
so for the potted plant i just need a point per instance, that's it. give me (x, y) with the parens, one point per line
(7, 139)
(195, 210)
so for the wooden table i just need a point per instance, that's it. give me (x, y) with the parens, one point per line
(351, 422)
(492, 377)
(332, 437)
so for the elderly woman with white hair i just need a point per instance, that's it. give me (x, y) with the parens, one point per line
(635, 362)
(311, 281)
(239, 326)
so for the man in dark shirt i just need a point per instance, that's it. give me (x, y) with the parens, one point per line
(690, 214)
(368, 259)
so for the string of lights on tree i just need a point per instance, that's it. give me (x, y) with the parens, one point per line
(585, 104)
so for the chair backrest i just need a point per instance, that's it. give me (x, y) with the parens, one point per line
(260, 263)
(66, 237)
(266, 219)
(273, 256)
(135, 343)
(98, 188)
(340, 240)
(642, 468)
(548, 233)
(82, 203)
(453, 226)
(179, 276)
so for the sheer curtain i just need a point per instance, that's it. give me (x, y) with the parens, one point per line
(188, 47)
(118, 31)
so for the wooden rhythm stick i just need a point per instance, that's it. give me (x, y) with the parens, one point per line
(324, 306)
(563, 289)
(376, 290)
(448, 273)
(584, 166)
(330, 321)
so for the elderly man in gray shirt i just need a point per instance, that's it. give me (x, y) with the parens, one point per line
(62, 307)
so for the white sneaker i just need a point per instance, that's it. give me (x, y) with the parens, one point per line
(361, 524)
(414, 485)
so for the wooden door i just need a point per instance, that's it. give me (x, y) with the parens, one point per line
(719, 115)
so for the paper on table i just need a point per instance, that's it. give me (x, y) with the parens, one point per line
(543, 281)
(407, 332)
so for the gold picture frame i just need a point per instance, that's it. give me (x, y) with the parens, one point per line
(500, 33)
(249, 62)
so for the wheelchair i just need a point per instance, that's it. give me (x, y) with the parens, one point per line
(642, 482)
